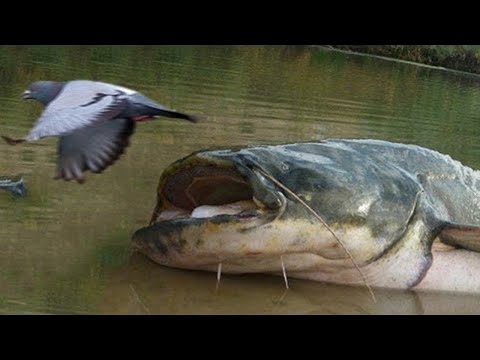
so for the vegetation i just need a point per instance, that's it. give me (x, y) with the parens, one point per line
(457, 57)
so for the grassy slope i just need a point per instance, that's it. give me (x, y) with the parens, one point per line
(458, 57)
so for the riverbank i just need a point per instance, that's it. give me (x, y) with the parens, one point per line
(457, 57)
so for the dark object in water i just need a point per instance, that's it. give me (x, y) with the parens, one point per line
(17, 188)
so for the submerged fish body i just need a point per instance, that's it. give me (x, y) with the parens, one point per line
(16, 187)
(386, 202)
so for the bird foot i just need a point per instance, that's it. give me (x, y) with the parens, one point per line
(11, 141)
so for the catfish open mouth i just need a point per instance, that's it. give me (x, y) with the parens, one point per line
(209, 210)
(198, 188)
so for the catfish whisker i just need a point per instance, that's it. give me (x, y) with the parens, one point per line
(309, 208)
(137, 298)
(219, 275)
(284, 273)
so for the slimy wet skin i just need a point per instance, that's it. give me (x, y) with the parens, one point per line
(390, 204)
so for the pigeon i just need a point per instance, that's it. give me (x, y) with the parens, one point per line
(93, 120)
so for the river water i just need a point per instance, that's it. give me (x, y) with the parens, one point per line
(65, 248)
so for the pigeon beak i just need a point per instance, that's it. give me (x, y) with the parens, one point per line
(26, 95)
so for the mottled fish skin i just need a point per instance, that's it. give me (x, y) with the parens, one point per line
(387, 202)
(360, 167)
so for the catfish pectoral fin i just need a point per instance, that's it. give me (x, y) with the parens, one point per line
(459, 235)
(11, 141)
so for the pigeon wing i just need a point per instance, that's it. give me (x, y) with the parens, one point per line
(79, 104)
(94, 148)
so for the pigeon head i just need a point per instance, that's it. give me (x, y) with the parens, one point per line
(43, 91)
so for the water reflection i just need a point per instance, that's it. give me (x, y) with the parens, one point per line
(145, 288)
(66, 248)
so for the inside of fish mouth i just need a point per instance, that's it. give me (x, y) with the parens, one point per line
(205, 191)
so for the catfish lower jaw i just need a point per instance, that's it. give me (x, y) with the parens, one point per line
(241, 243)
(208, 208)
(191, 242)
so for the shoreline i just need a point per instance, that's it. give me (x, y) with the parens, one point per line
(463, 58)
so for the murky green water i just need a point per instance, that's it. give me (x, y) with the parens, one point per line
(66, 247)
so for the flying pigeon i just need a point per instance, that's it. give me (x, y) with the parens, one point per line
(94, 121)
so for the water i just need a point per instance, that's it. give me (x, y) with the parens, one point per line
(66, 247)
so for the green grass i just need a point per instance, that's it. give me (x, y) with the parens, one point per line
(457, 57)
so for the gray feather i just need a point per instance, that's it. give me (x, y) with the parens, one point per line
(94, 121)
(93, 148)
(80, 104)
